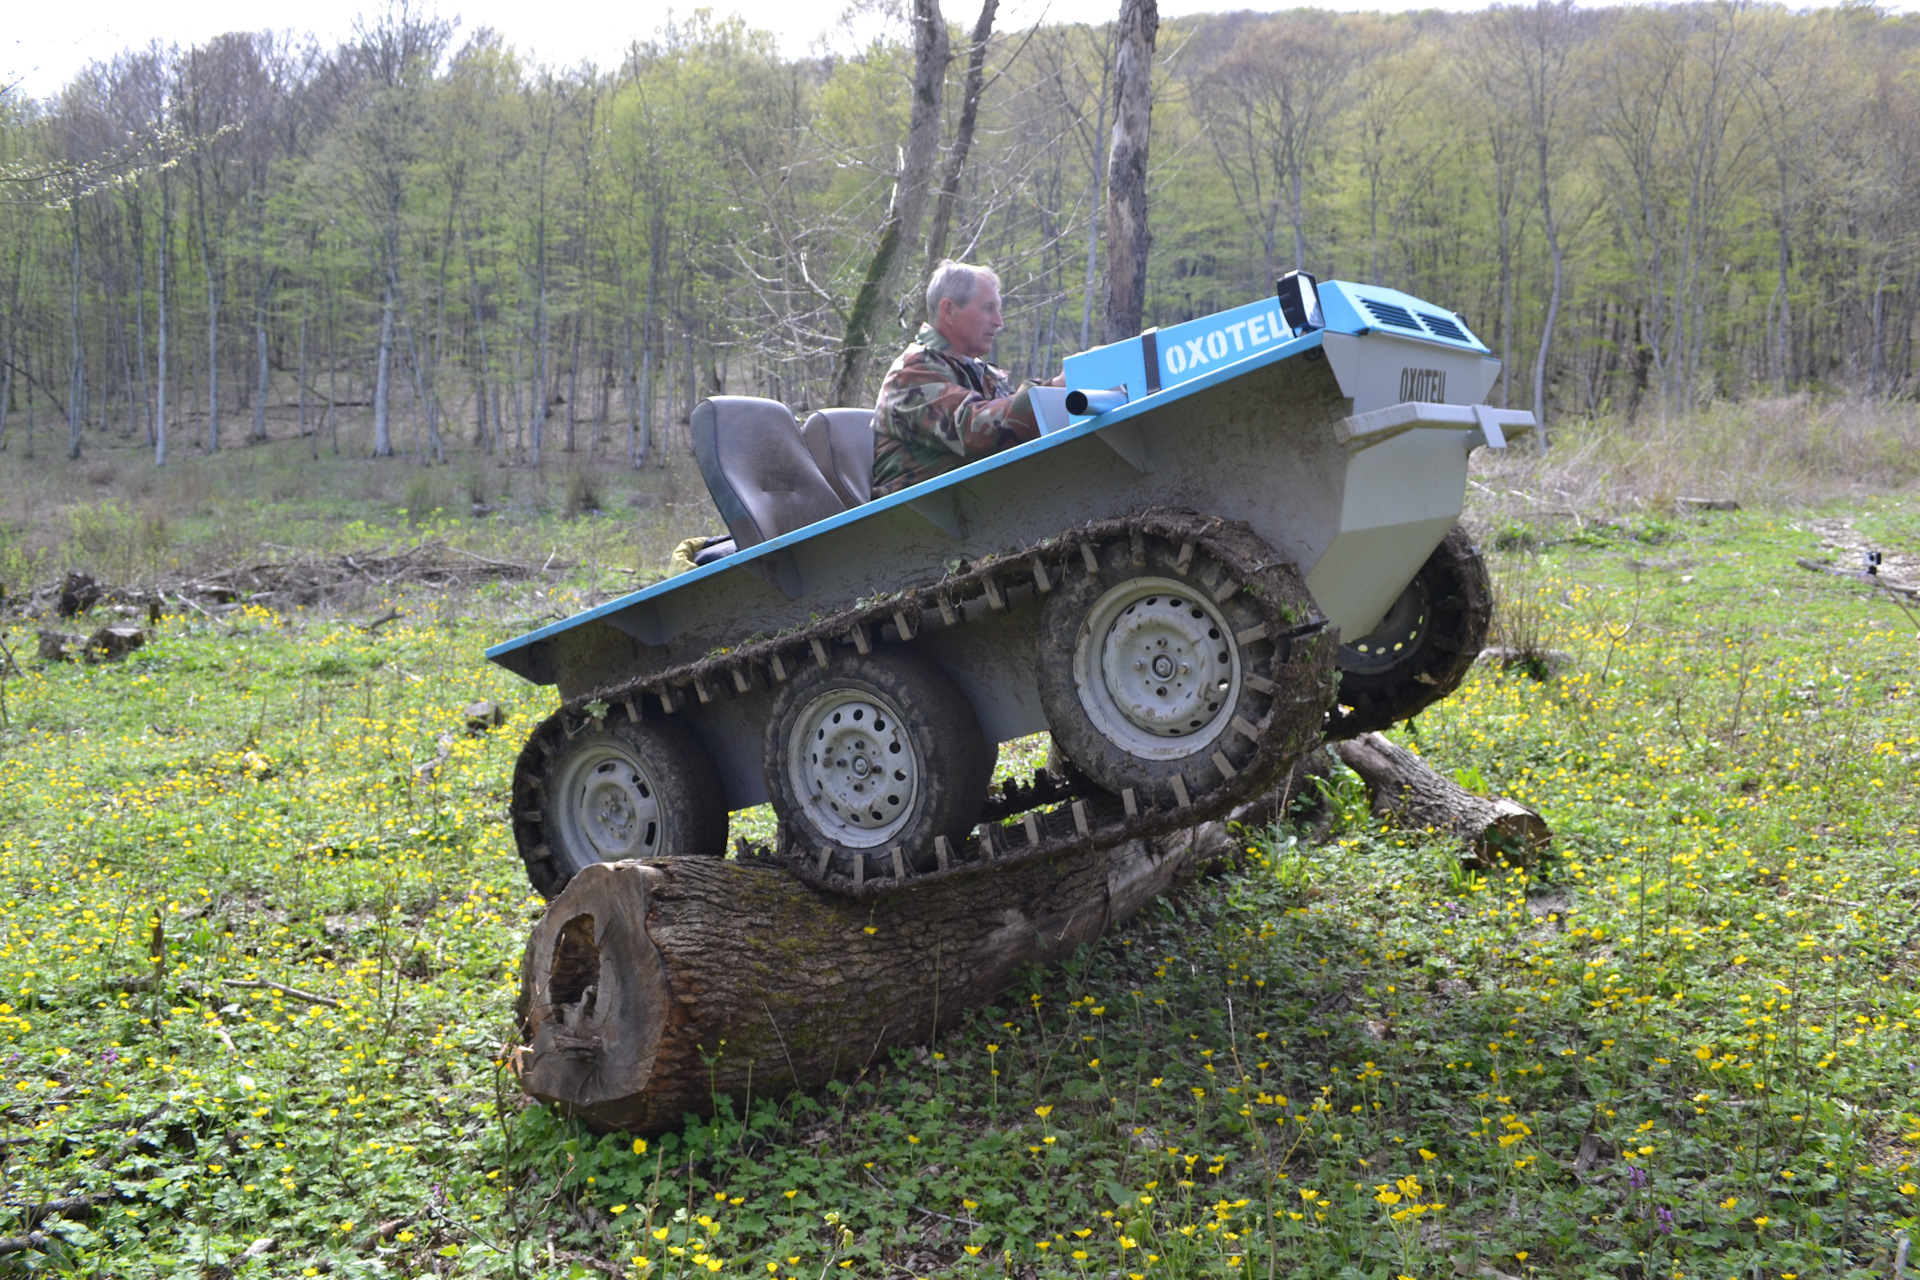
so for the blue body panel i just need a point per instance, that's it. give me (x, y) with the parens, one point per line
(1193, 357)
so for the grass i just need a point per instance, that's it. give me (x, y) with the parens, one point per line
(1684, 1045)
(117, 517)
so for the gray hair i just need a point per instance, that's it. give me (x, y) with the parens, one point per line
(956, 280)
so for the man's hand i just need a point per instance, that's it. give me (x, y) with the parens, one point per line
(1057, 380)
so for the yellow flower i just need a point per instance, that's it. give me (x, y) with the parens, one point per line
(1761, 1222)
(639, 1146)
(973, 1250)
(1043, 1112)
(1522, 1255)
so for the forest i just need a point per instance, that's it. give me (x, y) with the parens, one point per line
(1642, 210)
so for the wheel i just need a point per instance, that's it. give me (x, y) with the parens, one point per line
(875, 752)
(614, 790)
(1422, 649)
(1141, 675)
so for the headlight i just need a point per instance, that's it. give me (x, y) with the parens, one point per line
(1299, 295)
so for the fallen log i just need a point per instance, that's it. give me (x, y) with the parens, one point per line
(1404, 787)
(649, 990)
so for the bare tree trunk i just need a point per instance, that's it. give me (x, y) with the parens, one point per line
(1095, 205)
(333, 367)
(264, 374)
(901, 226)
(160, 370)
(639, 974)
(942, 225)
(300, 383)
(483, 373)
(1552, 230)
(383, 361)
(213, 311)
(77, 378)
(1127, 236)
(137, 224)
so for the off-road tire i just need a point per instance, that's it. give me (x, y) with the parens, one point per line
(942, 758)
(1438, 648)
(613, 789)
(1111, 759)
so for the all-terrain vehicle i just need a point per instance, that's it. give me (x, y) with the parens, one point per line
(1161, 581)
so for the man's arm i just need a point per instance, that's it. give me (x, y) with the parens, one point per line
(920, 404)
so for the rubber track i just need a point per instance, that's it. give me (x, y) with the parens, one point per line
(1304, 650)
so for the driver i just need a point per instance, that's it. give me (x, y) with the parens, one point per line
(942, 405)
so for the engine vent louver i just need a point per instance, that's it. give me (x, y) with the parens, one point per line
(1389, 314)
(1441, 327)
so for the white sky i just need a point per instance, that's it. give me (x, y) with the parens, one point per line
(42, 43)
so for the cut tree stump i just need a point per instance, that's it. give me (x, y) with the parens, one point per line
(1405, 788)
(651, 989)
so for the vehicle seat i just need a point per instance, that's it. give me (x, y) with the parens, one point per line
(758, 469)
(841, 442)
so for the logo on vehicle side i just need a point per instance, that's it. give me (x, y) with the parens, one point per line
(1429, 385)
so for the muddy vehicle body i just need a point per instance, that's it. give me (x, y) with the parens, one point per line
(1163, 581)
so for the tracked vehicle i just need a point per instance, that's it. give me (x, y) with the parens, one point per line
(1162, 581)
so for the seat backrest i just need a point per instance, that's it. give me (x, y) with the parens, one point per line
(841, 442)
(758, 469)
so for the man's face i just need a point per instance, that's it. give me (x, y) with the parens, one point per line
(970, 329)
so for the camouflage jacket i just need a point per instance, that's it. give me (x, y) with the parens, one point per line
(939, 410)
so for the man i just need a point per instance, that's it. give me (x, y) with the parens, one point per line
(942, 406)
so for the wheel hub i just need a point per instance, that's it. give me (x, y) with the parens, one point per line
(1395, 639)
(1157, 667)
(609, 805)
(855, 767)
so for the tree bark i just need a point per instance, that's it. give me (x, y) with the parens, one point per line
(650, 990)
(1404, 788)
(901, 227)
(1127, 236)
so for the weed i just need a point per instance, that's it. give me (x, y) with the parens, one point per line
(423, 499)
(583, 493)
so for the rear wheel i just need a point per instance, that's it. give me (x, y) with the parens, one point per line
(610, 791)
(1422, 649)
(875, 752)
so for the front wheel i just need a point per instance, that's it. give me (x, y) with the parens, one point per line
(1423, 649)
(613, 790)
(1150, 675)
(872, 753)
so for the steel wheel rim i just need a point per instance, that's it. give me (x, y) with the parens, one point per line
(1157, 668)
(609, 805)
(854, 767)
(1395, 639)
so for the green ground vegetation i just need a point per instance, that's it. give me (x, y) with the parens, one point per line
(263, 920)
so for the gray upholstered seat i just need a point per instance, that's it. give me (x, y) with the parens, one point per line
(841, 442)
(758, 468)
